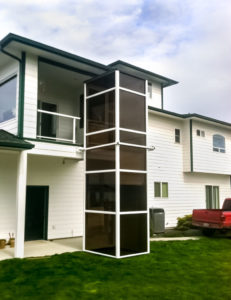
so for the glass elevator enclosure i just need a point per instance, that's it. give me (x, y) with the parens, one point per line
(116, 212)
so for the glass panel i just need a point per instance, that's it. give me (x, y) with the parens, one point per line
(101, 84)
(216, 204)
(100, 138)
(132, 83)
(133, 234)
(208, 196)
(150, 90)
(58, 127)
(164, 189)
(8, 99)
(157, 189)
(132, 192)
(218, 141)
(177, 135)
(100, 158)
(100, 233)
(132, 158)
(100, 191)
(132, 111)
(132, 138)
(101, 112)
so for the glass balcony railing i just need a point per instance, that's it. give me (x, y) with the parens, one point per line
(58, 127)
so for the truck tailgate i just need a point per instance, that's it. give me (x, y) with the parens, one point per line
(207, 218)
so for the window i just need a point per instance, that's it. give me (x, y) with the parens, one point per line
(212, 197)
(161, 189)
(200, 133)
(150, 90)
(8, 99)
(164, 189)
(218, 143)
(177, 135)
(157, 192)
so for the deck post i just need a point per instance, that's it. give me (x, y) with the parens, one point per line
(20, 204)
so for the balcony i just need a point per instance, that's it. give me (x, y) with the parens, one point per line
(58, 127)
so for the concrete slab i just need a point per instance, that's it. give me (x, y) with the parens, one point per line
(45, 248)
(174, 239)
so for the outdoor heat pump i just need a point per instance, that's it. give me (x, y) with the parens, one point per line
(115, 138)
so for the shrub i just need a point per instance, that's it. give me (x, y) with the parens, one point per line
(184, 223)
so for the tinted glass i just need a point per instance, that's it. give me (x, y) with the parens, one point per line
(165, 189)
(132, 138)
(157, 189)
(133, 234)
(8, 99)
(132, 83)
(100, 158)
(100, 233)
(133, 192)
(101, 84)
(132, 111)
(100, 138)
(101, 112)
(100, 191)
(132, 158)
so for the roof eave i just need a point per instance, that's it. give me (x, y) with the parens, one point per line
(16, 38)
(165, 81)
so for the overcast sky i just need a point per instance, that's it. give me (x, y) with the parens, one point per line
(188, 41)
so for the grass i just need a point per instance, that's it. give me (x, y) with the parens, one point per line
(173, 270)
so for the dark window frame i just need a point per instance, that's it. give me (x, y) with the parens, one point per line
(177, 135)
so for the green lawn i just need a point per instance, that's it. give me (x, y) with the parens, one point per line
(174, 270)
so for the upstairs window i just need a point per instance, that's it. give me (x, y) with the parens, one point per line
(161, 189)
(177, 135)
(8, 99)
(218, 143)
(200, 133)
(150, 90)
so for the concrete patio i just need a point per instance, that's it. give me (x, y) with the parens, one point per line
(45, 248)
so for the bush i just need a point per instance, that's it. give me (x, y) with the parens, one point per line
(184, 223)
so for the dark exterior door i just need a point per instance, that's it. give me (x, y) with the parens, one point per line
(36, 213)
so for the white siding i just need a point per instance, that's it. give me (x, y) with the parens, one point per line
(30, 96)
(165, 164)
(6, 72)
(155, 101)
(65, 179)
(58, 150)
(186, 146)
(8, 167)
(204, 158)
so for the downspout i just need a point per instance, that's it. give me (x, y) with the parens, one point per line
(191, 144)
(21, 89)
(162, 96)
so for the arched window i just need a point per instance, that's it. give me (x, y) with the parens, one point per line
(218, 143)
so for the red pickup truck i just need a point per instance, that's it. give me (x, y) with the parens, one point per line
(211, 220)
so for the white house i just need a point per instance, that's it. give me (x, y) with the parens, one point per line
(42, 133)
